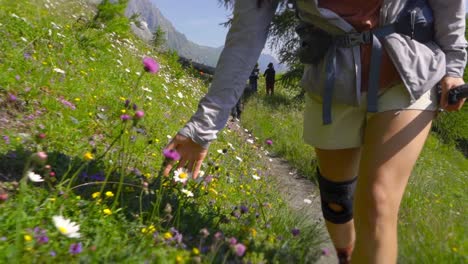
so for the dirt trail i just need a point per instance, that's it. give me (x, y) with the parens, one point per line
(300, 194)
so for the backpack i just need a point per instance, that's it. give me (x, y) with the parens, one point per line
(415, 20)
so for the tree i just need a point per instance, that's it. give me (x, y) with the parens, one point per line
(112, 14)
(159, 38)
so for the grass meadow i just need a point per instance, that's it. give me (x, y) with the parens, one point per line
(83, 124)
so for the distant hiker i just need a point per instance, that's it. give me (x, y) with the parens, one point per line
(253, 78)
(270, 79)
(372, 68)
(236, 111)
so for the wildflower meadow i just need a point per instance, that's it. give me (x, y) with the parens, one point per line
(86, 110)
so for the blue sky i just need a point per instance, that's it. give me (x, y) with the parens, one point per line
(198, 19)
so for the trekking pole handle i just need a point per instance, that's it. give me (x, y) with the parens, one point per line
(456, 94)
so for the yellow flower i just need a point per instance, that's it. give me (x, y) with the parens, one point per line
(109, 194)
(253, 232)
(144, 230)
(213, 191)
(107, 211)
(77, 99)
(88, 156)
(122, 98)
(196, 251)
(148, 175)
(179, 259)
(167, 235)
(27, 238)
(123, 111)
(96, 195)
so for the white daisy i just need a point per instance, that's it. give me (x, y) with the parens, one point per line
(59, 70)
(187, 193)
(66, 227)
(34, 177)
(256, 177)
(146, 89)
(181, 175)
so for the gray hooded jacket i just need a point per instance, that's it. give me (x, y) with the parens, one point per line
(421, 66)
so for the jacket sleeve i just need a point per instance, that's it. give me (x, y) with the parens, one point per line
(450, 20)
(244, 43)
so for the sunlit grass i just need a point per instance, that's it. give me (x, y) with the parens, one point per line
(80, 94)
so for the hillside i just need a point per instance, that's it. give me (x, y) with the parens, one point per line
(86, 110)
(152, 18)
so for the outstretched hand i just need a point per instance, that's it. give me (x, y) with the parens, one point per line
(191, 155)
(448, 83)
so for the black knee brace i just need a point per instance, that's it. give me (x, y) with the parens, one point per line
(340, 193)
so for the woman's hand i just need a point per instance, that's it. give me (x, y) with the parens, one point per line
(448, 83)
(191, 155)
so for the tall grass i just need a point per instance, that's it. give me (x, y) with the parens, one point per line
(75, 91)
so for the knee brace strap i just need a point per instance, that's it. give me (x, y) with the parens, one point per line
(340, 193)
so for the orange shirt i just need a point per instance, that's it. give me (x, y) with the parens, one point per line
(364, 15)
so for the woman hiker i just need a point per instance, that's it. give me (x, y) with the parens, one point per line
(369, 105)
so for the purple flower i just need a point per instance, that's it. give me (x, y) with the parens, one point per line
(269, 142)
(12, 98)
(52, 253)
(17, 77)
(135, 107)
(171, 154)
(125, 117)
(42, 239)
(98, 177)
(325, 251)
(295, 231)
(150, 65)
(240, 249)
(208, 178)
(7, 139)
(27, 55)
(244, 209)
(67, 103)
(127, 103)
(75, 248)
(139, 114)
(233, 241)
(218, 235)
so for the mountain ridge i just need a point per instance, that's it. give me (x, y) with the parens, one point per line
(151, 18)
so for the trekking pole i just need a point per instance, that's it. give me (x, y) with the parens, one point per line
(455, 94)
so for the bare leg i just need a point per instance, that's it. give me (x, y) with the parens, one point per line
(339, 166)
(392, 144)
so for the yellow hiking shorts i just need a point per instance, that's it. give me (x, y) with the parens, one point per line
(348, 122)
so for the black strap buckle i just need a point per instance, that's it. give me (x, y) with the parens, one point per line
(349, 40)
